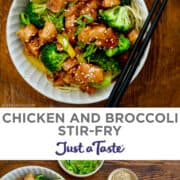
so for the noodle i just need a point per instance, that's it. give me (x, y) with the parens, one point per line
(137, 14)
(68, 88)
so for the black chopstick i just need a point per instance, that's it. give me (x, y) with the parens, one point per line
(129, 69)
(132, 54)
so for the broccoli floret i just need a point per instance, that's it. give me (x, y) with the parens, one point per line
(35, 12)
(123, 45)
(112, 51)
(24, 19)
(125, 2)
(51, 58)
(108, 64)
(119, 17)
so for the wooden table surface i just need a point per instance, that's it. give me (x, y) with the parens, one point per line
(156, 85)
(145, 170)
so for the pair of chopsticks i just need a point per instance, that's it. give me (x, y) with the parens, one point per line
(136, 54)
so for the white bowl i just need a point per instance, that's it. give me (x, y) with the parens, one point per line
(81, 175)
(37, 79)
(22, 171)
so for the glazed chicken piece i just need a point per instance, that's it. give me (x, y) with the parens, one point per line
(90, 9)
(133, 35)
(56, 5)
(69, 63)
(111, 40)
(70, 27)
(29, 176)
(27, 33)
(61, 78)
(33, 47)
(69, 79)
(110, 3)
(89, 73)
(58, 78)
(91, 33)
(103, 36)
(48, 33)
(70, 22)
(73, 10)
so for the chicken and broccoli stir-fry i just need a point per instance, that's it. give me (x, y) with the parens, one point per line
(80, 43)
(30, 176)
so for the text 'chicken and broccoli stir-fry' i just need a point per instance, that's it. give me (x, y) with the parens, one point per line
(79, 44)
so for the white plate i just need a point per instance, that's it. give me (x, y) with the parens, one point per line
(22, 171)
(37, 79)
